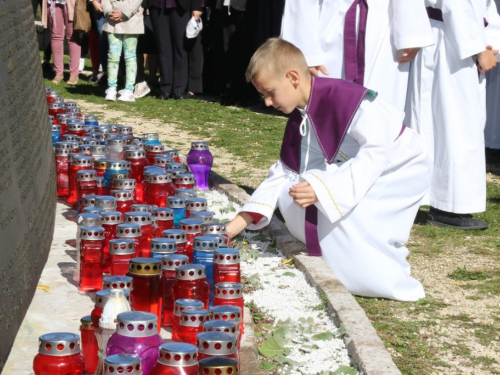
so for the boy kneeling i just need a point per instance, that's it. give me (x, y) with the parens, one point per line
(350, 176)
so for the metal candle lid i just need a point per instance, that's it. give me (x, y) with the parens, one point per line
(68, 104)
(66, 145)
(125, 129)
(179, 235)
(162, 159)
(104, 129)
(142, 207)
(227, 256)
(100, 164)
(127, 148)
(90, 118)
(75, 126)
(216, 343)
(122, 246)
(176, 202)
(123, 195)
(86, 175)
(163, 213)
(223, 240)
(122, 364)
(124, 184)
(92, 209)
(139, 144)
(163, 246)
(173, 165)
(86, 323)
(191, 225)
(226, 326)
(159, 178)
(190, 272)
(102, 296)
(105, 201)
(89, 219)
(170, 262)
(196, 204)
(117, 176)
(188, 193)
(85, 150)
(59, 344)
(135, 154)
(56, 128)
(155, 148)
(117, 165)
(214, 228)
(111, 217)
(128, 230)
(141, 218)
(91, 141)
(205, 243)
(172, 153)
(54, 105)
(194, 318)
(218, 365)
(137, 324)
(186, 304)
(177, 171)
(115, 141)
(92, 233)
(228, 290)
(178, 354)
(150, 136)
(51, 93)
(199, 145)
(184, 179)
(225, 312)
(82, 161)
(100, 181)
(61, 152)
(145, 266)
(207, 216)
(98, 150)
(118, 282)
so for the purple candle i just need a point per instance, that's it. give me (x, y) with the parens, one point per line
(199, 161)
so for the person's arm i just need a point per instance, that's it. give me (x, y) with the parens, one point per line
(129, 7)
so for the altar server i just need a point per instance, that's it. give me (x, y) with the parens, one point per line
(364, 41)
(492, 130)
(446, 107)
(350, 176)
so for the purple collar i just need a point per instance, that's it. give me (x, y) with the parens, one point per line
(331, 108)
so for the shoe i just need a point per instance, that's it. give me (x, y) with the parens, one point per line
(181, 96)
(457, 221)
(47, 66)
(141, 89)
(164, 97)
(57, 79)
(81, 64)
(110, 94)
(73, 80)
(102, 79)
(126, 96)
(227, 100)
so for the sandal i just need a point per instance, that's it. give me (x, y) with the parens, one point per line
(73, 80)
(57, 79)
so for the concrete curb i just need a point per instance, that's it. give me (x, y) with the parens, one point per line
(365, 347)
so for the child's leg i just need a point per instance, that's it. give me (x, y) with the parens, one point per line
(75, 49)
(57, 38)
(129, 47)
(114, 53)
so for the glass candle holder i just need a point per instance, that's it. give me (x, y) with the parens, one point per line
(217, 229)
(152, 150)
(83, 220)
(125, 130)
(185, 180)
(85, 185)
(227, 312)
(161, 160)
(91, 248)
(133, 231)
(115, 148)
(124, 184)
(179, 236)
(192, 227)
(51, 95)
(137, 161)
(124, 201)
(190, 324)
(90, 120)
(230, 294)
(173, 165)
(169, 263)
(158, 189)
(217, 344)
(62, 171)
(191, 283)
(195, 205)
(136, 333)
(179, 306)
(199, 161)
(101, 189)
(56, 134)
(85, 149)
(110, 220)
(89, 344)
(55, 108)
(227, 266)
(101, 297)
(129, 364)
(146, 273)
(206, 216)
(164, 219)
(106, 202)
(151, 139)
(78, 163)
(118, 282)
(226, 326)
(174, 154)
(176, 358)
(62, 119)
(100, 167)
(187, 193)
(121, 251)
(98, 152)
(178, 204)
(203, 253)
(147, 229)
(115, 167)
(59, 354)
(161, 247)
(219, 365)
(75, 127)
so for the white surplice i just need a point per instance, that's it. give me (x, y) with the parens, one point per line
(446, 104)
(368, 200)
(492, 129)
(317, 28)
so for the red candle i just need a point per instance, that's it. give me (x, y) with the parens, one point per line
(227, 312)
(179, 306)
(217, 344)
(190, 324)
(191, 283)
(91, 249)
(62, 170)
(124, 200)
(164, 219)
(89, 344)
(110, 220)
(59, 354)
(168, 265)
(176, 359)
(174, 154)
(230, 294)
(138, 161)
(152, 151)
(85, 185)
(76, 127)
(147, 229)
(158, 189)
(133, 231)
(121, 251)
(193, 229)
(227, 266)
(78, 163)
(185, 181)
(100, 167)
(179, 236)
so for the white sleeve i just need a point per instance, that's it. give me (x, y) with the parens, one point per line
(410, 24)
(375, 127)
(265, 198)
(300, 26)
(493, 29)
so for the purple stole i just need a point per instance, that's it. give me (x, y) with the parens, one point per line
(331, 108)
(354, 47)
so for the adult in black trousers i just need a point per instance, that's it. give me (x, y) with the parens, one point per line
(170, 18)
(47, 50)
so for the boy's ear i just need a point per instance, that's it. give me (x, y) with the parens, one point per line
(294, 77)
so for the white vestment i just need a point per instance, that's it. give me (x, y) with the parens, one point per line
(446, 105)
(317, 28)
(492, 130)
(368, 199)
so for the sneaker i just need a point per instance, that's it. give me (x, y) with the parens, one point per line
(81, 65)
(126, 96)
(457, 221)
(111, 94)
(141, 90)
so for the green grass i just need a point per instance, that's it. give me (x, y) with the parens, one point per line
(464, 274)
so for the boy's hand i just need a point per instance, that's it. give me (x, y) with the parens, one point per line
(240, 222)
(408, 55)
(303, 194)
(116, 15)
(486, 60)
(316, 69)
(196, 14)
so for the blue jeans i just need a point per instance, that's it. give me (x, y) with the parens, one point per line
(103, 39)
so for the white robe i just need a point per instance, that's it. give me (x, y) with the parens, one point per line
(368, 200)
(492, 130)
(446, 105)
(317, 28)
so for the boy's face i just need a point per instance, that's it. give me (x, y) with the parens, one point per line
(281, 93)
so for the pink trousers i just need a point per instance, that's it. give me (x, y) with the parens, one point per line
(57, 41)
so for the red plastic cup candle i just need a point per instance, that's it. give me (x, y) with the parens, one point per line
(132, 231)
(147, 229)
(124, 200)
(55, 108)
(142, 208)
(89, 344)
(174, 154)
(152, 151)
(59, 354)
(206, 216)
(229, 294)
(100, 167)
(62, 171)
(85, 184)
(227, 312)
(121, 251)
(91, 249)
(78, 163)
(110, 220)
(195, 205)
(138, 161)
(217, 344)
(226, 326)
(118, 282)
(192, 227)
(217, 229)
(190, 324)
(51, 95)
(185, 180)
(176, 358)
(179, 306)
(164, 219)
(179, 236)
(129, 364)
(158, 189)
(106, 202)
(161, 247)
(161, 160)
(98, 152)
(169, 263)
(218, 365)
(227, 266)
(191, 283)
(125, 130)
(101, 188)
(75, 127)
(186, 193)
(124, 184)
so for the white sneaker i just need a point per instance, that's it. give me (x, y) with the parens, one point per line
(111, 94)
(81, 65)
(141, 89)
(126, 96)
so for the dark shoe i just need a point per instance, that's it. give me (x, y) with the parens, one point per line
(163, 96)
(227, 100)
(450, 219)
(180, 96)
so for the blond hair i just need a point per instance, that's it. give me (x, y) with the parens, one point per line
(276, 57)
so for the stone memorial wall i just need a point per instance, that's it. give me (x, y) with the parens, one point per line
(27, 172)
